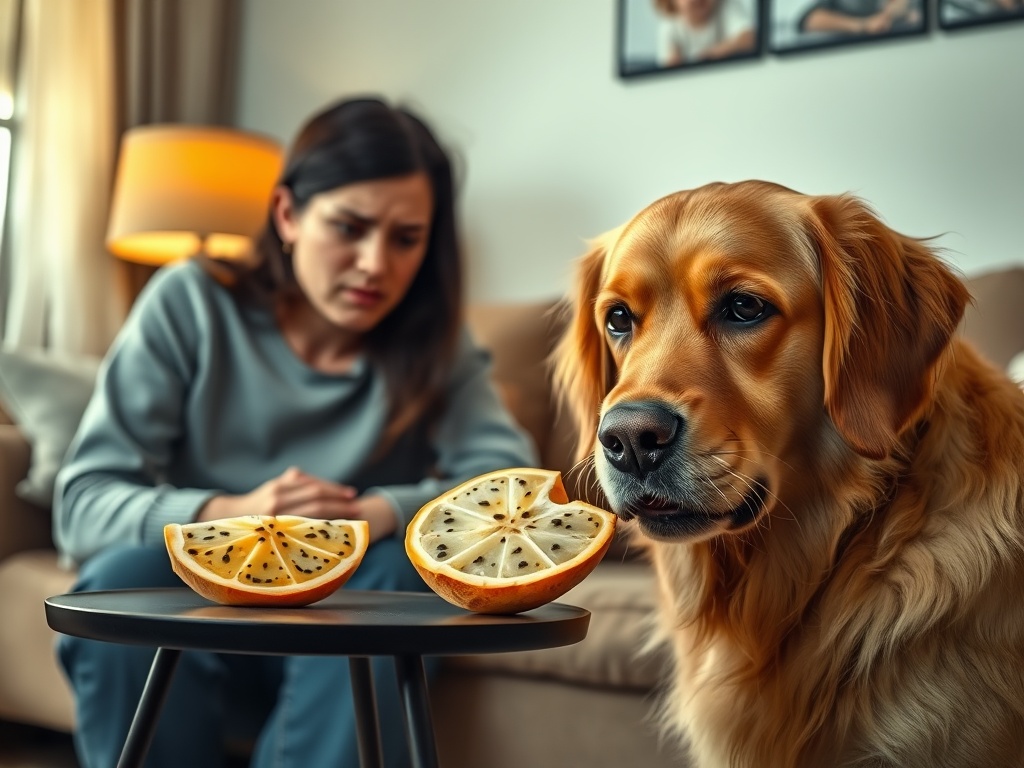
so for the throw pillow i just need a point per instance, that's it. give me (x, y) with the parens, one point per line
(45, 394)
(1016, 369)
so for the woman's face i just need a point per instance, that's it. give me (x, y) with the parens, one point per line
(356, 249)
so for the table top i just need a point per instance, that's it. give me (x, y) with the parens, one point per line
(348, 623)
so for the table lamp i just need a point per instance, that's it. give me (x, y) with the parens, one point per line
(182, 190)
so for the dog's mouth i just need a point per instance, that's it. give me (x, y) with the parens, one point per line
(667, 519)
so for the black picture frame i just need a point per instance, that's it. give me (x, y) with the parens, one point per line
(853, 22)
(958, 14)
(646, 36)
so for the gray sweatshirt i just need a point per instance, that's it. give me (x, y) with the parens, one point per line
(200, 395)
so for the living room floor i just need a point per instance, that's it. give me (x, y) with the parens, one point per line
(23, 746)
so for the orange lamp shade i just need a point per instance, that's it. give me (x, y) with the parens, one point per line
(182, 190)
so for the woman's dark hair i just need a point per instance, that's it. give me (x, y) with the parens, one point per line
(414, 346)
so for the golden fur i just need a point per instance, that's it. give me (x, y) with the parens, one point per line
(838, 527)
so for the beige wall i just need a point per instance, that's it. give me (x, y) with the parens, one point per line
(558, 148)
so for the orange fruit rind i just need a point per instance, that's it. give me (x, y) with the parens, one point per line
(508, 541)
(268, 561)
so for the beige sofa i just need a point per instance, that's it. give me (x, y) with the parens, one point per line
(587, 704)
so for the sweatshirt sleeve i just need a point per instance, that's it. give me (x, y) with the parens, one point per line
(475, 435)
(737, 18)
(669, 46)
(110, 488)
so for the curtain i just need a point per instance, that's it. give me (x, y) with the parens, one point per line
(175, 62)
(60, 184)
(91, 69)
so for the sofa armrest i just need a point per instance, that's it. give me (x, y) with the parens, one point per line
(25, 525)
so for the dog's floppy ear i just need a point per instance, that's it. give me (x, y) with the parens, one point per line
(891, 307)
(581, 362)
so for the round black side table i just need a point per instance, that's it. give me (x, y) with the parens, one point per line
(404, 625)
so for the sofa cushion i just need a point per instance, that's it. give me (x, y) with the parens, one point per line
(45, 394)
(621, 598)
(32, 688)
(499, 720)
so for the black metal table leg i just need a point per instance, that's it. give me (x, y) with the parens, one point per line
(412, 684)
(158, 683)
(365, 701)
(353, 623)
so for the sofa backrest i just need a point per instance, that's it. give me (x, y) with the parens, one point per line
(522, 336)
(993, 321)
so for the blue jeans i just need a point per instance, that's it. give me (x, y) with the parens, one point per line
(311, 723)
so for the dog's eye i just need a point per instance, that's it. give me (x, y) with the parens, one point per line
(618, 321)
(745, 308)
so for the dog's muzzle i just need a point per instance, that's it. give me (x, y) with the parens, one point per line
(637, 436)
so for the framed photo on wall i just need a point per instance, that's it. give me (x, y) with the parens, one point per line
(672, 35)
(954, 14)
(799, 25)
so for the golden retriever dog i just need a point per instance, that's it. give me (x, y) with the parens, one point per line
(826, 477)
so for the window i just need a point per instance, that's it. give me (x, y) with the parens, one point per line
(8, 56)
(10, 17)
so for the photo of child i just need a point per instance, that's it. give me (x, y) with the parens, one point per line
(696, 30)
(661, 35)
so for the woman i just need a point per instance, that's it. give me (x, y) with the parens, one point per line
(331, 378)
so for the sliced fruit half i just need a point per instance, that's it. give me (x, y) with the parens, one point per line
(507, 541)
(263, 560)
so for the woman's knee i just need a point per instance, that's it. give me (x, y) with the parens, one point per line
(127, 567)
(386, 566)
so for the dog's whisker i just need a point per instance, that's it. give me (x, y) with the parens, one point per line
(711, 481)
(747, 451)
(752, 483)
(748, 483)
(732, 437)
(580, 466)
(584, 473)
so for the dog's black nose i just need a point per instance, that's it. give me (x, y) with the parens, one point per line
(636, 436)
